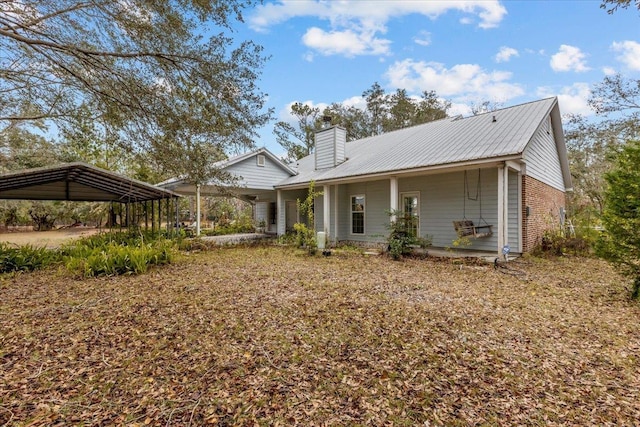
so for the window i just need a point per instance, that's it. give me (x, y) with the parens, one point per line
(410, 203)
(357, 214)
(260, 160)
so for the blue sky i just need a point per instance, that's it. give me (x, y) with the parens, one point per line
(506, 52)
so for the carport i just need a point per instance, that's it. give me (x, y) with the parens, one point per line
(81, 182)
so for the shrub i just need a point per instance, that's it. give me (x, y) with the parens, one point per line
(620, 243)
(26, 258)
(305, 235)
(115, 258)
(402, 238)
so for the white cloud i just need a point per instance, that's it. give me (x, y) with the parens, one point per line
(608, 71)
(354, 26)
(460, 109)
(569, 58)
(505, 54)
(465, 82)
(348, 43)
(423, 38)
(629, 53)
(572, 99)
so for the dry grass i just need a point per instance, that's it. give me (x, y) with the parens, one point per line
(269, 336)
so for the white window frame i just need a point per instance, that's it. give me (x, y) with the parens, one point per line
(400, 202)
(261, 160)
(364, 215)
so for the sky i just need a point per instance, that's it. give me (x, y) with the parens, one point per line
(468, 52)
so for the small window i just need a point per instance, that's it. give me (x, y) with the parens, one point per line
(357, 214)
(261, 160)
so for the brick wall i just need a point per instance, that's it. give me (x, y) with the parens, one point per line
(544, 203)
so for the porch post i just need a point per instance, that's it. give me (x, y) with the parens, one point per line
(197, 209)
(393, 201)
(336, 219)
(326, 208)
(280, 225)
(503, 207)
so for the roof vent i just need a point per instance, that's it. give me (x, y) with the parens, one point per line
(494, 119)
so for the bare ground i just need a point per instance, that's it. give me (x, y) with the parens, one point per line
(51, 239)
(269, 336)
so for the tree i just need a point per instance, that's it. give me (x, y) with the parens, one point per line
(617, 101)
(22, 149)
(353, 119)
(613, 5)
(621, 218)
(299, 140)
(377, 108)
(142, 69)
(383, 113)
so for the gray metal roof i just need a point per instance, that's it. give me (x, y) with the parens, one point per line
(77, 182)
(449, 141)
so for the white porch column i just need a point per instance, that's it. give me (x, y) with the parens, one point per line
(280, 213)
(326, 209)
(198, 210)
(336, 218)
(393, 200)
(503, 207)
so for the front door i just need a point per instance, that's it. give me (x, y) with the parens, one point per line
(410, 204)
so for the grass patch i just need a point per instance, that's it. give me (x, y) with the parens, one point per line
(268, 335)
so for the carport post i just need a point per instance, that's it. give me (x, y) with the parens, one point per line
(198, 210)
(153, 216)
(168, 216)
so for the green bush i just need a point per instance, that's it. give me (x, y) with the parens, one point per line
(402, 239)
(26, 258)
(115, 258)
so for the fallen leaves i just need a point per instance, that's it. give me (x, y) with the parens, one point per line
(268, 336)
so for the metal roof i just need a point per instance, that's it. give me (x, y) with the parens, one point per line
(77, 182)
(485, 137)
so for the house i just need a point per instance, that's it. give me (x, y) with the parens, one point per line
(506, 169)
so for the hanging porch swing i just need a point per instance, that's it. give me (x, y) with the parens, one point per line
(465, 227)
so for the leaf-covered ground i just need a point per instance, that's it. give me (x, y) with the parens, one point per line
(269, 336)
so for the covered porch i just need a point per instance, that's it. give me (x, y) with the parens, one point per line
(359, 210)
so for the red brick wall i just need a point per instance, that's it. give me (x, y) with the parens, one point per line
(544, 204)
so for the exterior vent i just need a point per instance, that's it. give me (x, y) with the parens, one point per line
(260, 160)
(330, 147)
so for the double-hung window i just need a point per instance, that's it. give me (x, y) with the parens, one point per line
(357, 214)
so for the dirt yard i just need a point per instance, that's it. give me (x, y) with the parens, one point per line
(53, 238)
(269, 336)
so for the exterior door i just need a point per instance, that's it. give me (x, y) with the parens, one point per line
(410, 204)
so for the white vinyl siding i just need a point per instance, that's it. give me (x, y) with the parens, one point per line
(330, 147)
(376, 207)
(542, 159)
(251, 175)
(262, 212)
(443, 201)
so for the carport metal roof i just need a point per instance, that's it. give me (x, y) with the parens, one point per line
(77, 182)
